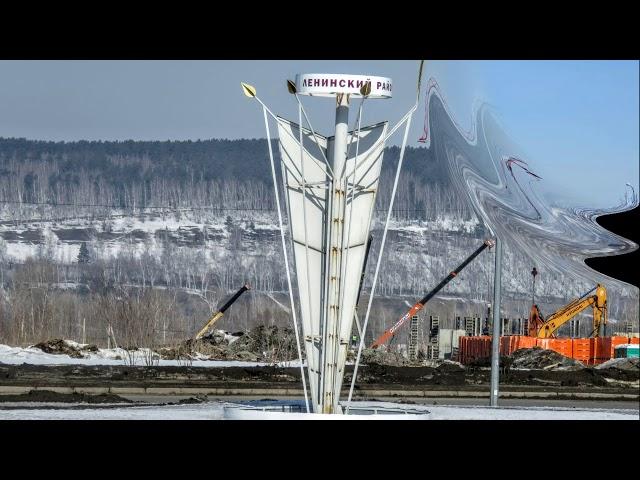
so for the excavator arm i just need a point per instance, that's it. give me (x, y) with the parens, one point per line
(547, 328)
(218, 315)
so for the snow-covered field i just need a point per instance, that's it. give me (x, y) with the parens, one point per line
(203, 411)
(111, 356)
(216, 411)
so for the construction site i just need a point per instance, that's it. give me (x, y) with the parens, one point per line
(467, 339)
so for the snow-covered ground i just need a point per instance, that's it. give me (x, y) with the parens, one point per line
(454, 412)
(111, 356)
(216, 411)
(202, 411)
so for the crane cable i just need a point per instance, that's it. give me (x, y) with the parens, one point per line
(286, 258)
(407, 118)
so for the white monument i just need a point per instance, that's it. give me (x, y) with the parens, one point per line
(331, 185)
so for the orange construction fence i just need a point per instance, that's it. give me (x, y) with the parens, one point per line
(590, 351)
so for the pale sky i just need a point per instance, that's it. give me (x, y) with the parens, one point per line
(577, 121)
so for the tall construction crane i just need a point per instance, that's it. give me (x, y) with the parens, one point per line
(217, 315)
(388, 334)
(541, 328)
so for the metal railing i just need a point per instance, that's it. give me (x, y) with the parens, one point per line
(353, 410)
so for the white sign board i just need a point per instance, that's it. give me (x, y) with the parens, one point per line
(329, 84)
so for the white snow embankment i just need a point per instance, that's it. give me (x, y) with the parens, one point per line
(104, 356)
(216, 411)
(468, 412)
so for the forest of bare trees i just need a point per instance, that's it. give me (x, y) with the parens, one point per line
(40, 302)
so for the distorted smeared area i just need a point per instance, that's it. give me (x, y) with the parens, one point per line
(489, 170)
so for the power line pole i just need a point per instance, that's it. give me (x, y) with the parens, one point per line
(495, 341)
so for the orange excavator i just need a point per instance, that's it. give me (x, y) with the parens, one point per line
(545, 328)
(388, 334)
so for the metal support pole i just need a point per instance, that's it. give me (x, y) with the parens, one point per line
(495, 341)
(331, 344)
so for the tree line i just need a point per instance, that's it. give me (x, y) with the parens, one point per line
(219, 174)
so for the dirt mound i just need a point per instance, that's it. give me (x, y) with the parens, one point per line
(266, 343)
(380, 356)
(190, 400)
(628, 364)
(621, 369)
(450, 366)
(542, 359)
(409, 376)
(260, 344)
(49, 396)
(59, 346)
(179, 352)
(485, 362)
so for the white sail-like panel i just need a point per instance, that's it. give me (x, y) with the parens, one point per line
(361, 180)
(307, 222)
(330, 218)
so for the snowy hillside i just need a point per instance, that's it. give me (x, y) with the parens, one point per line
(419, 253)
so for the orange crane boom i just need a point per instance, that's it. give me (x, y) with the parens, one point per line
(386, 336)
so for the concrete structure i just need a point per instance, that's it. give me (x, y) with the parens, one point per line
(448, 340)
